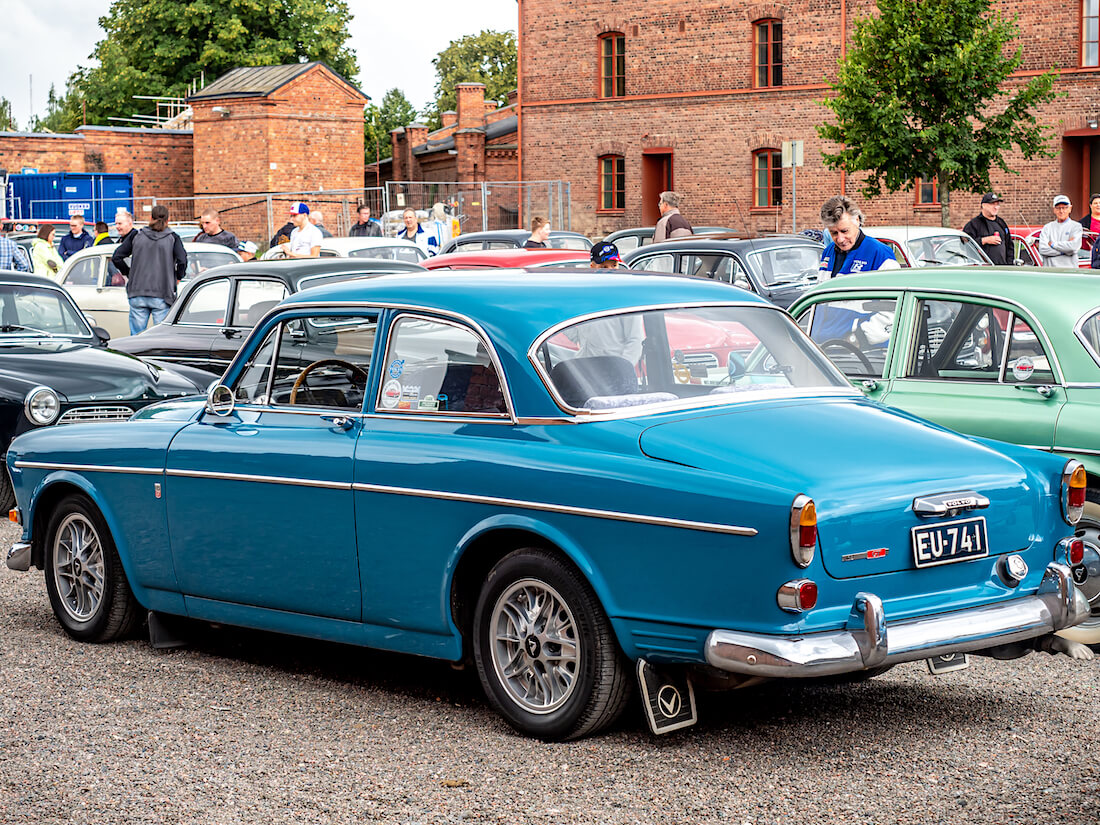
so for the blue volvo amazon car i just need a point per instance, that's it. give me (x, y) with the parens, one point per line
(580, 482)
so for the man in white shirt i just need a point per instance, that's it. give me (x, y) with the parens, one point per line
(1060, 239)
(305, 238)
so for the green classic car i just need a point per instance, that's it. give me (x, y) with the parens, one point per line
(1008, 353)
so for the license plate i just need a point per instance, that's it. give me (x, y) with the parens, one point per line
(949, 542)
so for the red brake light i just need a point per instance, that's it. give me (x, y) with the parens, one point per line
(807, 595)
(1076, 552)
(797, 596)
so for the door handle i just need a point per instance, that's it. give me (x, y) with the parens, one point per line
(229, 332)
(344, 422)
(1045, 390)
(869, 384)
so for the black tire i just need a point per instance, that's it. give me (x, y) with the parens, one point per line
(590, 684)
(84, 577)
(7, 493)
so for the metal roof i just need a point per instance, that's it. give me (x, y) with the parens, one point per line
(259, 81)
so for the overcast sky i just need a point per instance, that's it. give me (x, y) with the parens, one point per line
(45, 40)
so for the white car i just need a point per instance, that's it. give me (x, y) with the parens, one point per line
(385, 249)
(930, 246)
(100, 290)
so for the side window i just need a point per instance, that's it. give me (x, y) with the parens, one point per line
(715, 266)
(854, 334)
(319, 361)
(1026, 360)
(254, 299)
(198, 262)
(85, 272)
(437, 367)
(1088, 332)
(956, 341)
(206, 304)
(655, 263)
(627, 243)
(899, 254)
(472, 246)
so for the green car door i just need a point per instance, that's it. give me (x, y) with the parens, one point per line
(979, 367)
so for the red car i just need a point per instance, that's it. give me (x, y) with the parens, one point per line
(508, 258)
(1026, 241)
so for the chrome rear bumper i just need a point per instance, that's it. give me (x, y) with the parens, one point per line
(19, 557)
(868, 641)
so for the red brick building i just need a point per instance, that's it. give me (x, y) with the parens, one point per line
(625, 100)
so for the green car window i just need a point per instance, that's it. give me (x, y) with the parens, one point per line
(1027, 362)
(956, 341)
(855, 334)
(1088, 331)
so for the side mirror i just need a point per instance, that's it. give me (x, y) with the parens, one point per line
(219, 400)
(101, 335)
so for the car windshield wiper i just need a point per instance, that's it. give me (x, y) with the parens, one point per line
(19, 328)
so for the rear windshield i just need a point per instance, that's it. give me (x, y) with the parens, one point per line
(636, 359)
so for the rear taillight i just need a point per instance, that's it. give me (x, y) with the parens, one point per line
(1074, 484)
(797, 596)
(803, 530)
(1075, 552)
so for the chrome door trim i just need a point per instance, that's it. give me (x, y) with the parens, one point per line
(21, 464)
(297, 482)
(565, 509)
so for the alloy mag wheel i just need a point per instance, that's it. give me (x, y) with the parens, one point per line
(77, 567)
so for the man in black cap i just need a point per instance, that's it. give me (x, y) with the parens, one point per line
(991, 231)
(605, 256)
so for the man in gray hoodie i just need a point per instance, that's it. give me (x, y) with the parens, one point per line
(158, 261)
(1060, 239)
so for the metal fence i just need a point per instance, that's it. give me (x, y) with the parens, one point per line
(480, 206)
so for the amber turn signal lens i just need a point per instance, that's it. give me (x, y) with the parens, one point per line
(803, 530)
(807, 526)
(1074, 486)
(13, 515)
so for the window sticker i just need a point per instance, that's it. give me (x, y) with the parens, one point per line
(397, 367)
(410, 397)
(391, 394)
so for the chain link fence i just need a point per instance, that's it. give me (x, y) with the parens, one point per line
(488, 205)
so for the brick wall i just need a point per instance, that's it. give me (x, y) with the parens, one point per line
(44, 152)
(689, 87)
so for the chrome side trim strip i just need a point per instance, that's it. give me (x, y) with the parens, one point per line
(659, 521)
(1058, 448)
(87, 468)
(298, 482)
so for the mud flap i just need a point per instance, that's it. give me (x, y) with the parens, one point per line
(668, 698)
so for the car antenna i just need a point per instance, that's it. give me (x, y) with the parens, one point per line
(744, 223)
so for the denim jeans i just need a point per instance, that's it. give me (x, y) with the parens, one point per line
(141, 307)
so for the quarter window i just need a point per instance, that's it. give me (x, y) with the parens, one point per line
(85, 272)
(206, 304)
(436, 367)
(768, 52)
(1088, 331)
(254, 299)
(612, 183)
(768, 178)
(1090, 32)
(612, 65)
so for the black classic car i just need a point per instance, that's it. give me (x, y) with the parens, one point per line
(627, 240)
(513, 239)
(216, 310)
(55, 367)
(777, 267)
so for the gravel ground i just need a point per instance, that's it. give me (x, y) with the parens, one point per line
(246, 727)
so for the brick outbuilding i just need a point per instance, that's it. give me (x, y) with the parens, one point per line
(626, 100)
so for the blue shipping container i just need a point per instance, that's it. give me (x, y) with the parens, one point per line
(58, 195)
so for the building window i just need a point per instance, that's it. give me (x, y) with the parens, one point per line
(1090, 32)
(612, 65)
(612, 183)
(928, 192)
(768, 180)
(768, 51)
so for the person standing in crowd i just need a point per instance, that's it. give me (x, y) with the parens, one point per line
(43, 253)
(318, 220)
(1090, 222)
(102, 233)
(76, 238)
(124, 223)
(849, 250)
(671, 224)
(440, 227)
(604, 256)
(1060, 239)
(414, 232)
(305, 239)
(540, 234)
(212, 231)
(11, 253)
(991, 231)
(366, 226)
(158, 261)
(247, 251)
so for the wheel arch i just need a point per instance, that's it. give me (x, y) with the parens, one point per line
(491, 540)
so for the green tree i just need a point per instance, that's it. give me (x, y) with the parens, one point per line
(922, 93)
(379, 121)
(63, 112)
(158, 48)
(7, 119)
(488, 57)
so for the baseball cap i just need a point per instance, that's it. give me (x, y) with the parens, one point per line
(247, 246)
(299, 208)
(1058, 199)
(991, 197)
(604, 252)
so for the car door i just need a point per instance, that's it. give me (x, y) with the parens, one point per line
(195, 327)
(250, 300)
(857, 332)
(84, 281)
(259, 501)
(978, 367)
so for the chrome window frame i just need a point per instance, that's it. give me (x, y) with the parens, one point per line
(1078, 331)
(401, 315)
(843, 389)
(228, 302)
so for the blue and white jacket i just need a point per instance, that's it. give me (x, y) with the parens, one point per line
(867, 255)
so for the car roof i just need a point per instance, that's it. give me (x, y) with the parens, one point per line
(504, 257)
(730, 244)
(16, 277)
(901, 233)
(364, 243)
(188, 246)
(292, 270)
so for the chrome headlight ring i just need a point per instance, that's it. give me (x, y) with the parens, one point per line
(42, 406)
